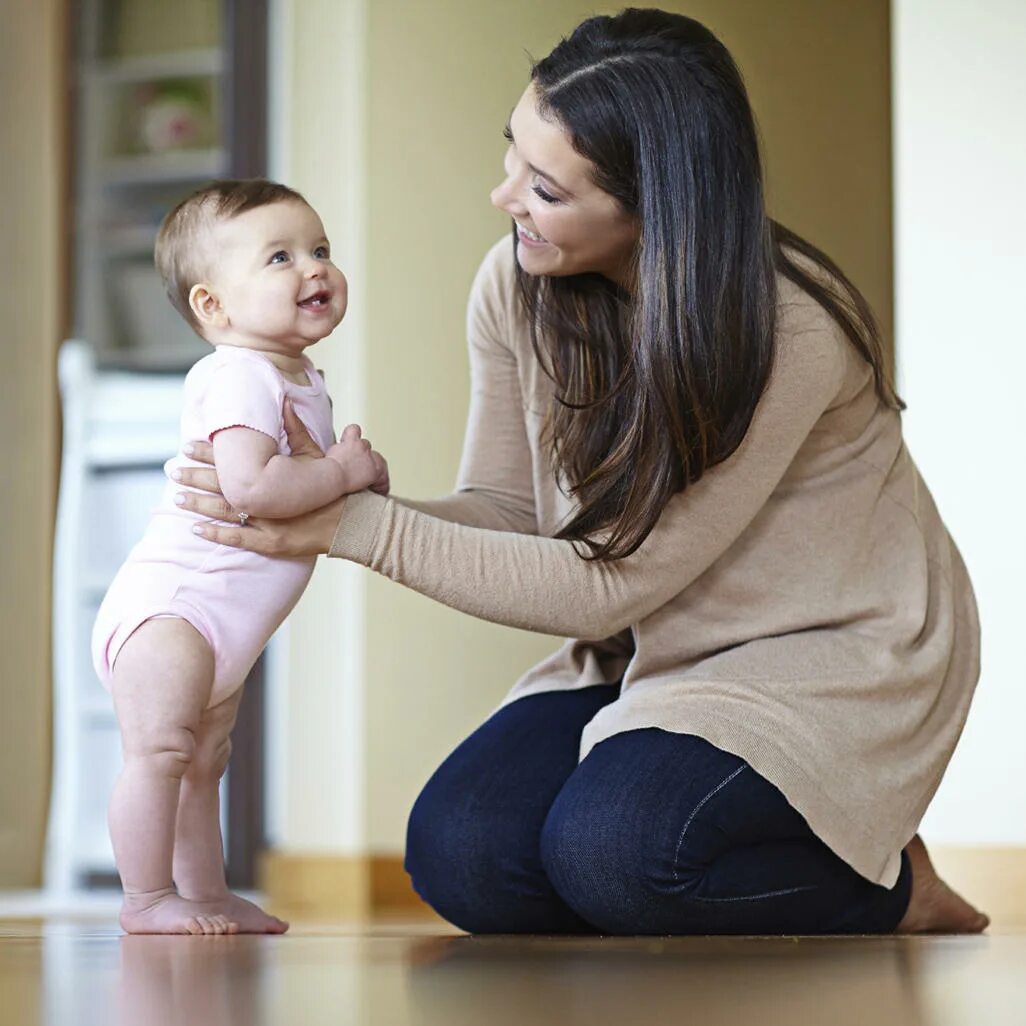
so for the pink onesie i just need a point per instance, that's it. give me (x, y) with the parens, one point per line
(235, 599)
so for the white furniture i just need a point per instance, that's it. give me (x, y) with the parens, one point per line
(119, 428)
(123, 187)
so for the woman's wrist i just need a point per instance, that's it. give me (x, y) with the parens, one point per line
(356, 529)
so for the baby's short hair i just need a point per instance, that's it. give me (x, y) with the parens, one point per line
(179, 255)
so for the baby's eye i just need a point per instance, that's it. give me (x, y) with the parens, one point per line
(280, 257)
(322, 253)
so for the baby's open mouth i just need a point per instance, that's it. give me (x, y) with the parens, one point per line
(317, 301)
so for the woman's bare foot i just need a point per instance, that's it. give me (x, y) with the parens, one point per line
(934, 906)
(166, 912)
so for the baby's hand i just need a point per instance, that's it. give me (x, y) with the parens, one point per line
(383, 485)
(360, 464)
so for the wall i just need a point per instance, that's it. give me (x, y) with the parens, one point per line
(32, 290)
(960, 221)
(441, 81)
(315, 702)
(390, 117)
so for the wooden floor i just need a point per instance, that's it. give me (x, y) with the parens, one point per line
(70, 970)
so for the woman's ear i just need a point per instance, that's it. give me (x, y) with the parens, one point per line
(206, 307)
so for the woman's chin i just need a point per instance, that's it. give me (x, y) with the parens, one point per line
(537, 261)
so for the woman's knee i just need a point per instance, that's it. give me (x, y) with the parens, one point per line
(598, 864)
(472, 839)
(611, 844)
(475, 867)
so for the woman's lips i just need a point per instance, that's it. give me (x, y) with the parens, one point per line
(529, 238)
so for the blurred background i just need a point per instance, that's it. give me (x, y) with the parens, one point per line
(893, 138)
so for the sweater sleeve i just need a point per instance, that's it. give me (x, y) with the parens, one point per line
(475, 509)
(543, 584)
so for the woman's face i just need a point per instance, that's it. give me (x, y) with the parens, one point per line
(566, 224)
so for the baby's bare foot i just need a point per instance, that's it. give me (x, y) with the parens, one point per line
(934, 906)
(166, 912)
(251, 918)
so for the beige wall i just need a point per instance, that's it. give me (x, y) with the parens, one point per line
(441, 79)
(32, 288)
(434, 85)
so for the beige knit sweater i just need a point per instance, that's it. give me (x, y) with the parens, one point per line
(802, 606)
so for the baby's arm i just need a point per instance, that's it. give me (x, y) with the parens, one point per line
(256, 479)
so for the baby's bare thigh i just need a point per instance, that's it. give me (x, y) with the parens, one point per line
(162, 680)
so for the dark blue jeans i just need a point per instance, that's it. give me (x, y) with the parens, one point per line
(653, 833)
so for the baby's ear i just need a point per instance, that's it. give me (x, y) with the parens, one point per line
(206, 307)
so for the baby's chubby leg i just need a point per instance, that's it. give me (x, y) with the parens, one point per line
(161, 685)
(198, 855)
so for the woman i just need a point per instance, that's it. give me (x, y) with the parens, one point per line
(684, 454)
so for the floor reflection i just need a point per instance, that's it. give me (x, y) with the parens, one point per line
(416, 976)
(164, 982)
(709, 981)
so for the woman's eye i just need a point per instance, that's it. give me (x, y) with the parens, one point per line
(507, 134)
(280, 257)
(543, 195)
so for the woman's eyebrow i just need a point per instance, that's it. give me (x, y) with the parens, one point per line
(537, 170)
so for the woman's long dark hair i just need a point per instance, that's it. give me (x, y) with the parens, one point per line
(657, 383)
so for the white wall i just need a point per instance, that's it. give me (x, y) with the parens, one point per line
(959, 79)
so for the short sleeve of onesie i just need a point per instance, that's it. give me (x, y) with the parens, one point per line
(243, 393)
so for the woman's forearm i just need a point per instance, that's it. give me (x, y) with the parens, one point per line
(478, 508)
(544, 584)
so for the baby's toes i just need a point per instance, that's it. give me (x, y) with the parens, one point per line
(194, 925)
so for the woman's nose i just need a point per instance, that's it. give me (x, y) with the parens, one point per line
(505, 196)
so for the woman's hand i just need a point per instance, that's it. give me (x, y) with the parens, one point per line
(306, 535)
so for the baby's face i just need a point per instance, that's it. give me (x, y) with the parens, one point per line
(273, 275)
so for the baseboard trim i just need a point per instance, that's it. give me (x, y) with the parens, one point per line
(314, 886)
(992, 877)
(345, 887)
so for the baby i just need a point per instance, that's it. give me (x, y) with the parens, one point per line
(248, 265)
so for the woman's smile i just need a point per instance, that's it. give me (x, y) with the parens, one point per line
(529, 238)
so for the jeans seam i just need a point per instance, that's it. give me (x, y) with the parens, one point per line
(756, 897)
(694, 812)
